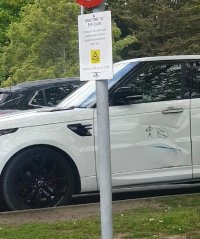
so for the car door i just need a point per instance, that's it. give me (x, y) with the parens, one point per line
(150, 128)
(194, 67)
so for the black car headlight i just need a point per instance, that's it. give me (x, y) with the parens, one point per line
(7, 131)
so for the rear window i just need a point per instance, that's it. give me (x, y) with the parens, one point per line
(4, 97)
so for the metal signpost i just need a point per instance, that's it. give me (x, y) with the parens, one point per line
(95, 53)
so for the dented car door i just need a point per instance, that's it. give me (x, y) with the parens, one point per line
(150, 126)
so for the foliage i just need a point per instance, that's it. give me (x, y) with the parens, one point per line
(162, 27)
(9, 12)
(120, 44)
(44, 44)
(38, 38)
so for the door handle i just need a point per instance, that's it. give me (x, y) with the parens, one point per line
(172, 110)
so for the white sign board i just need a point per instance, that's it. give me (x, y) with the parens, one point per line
(95, 46)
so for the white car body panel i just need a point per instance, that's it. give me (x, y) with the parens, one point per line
(61, 137)
(150, 155)
(195, 136)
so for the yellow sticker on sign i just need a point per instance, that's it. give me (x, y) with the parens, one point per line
(95, 56)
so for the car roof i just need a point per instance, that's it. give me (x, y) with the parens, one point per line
(40, 83)
(164, 58)
(46, 82)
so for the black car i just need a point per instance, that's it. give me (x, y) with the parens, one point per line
(36, 94)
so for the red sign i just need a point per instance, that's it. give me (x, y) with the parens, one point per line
(89, 3)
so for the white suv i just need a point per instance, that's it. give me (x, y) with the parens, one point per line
(50, 154)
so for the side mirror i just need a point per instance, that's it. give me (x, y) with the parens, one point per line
(125, 96)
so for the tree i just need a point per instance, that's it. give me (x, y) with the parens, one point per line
(9, 12)
(162, 27)
(44, 44)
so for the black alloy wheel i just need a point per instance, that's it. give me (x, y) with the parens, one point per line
(37, 178)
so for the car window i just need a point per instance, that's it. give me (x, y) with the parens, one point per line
(85, 96)
(28, 95)
(38, 99)
(3, 97)
(51, 96)
(55, 94)
(195, 75)
(10, 100)
(156, 82)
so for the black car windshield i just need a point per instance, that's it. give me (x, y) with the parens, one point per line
(85, 96)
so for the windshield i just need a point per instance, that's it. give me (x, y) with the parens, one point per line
(85, 96)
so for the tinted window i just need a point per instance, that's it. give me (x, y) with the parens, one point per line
(195, 75)
(3, 97)
(10, 100)
(52, 96)
(85, 96)
(156, 82)
(38, 99)
(55, 94)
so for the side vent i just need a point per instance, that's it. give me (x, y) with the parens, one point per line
(80, 129)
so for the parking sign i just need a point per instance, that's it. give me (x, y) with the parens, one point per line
(95, 46)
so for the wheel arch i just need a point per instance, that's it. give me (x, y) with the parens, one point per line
(77, 187)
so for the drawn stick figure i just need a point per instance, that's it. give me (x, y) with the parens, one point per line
(149, 130)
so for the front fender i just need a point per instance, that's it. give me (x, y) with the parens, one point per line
(80, 149)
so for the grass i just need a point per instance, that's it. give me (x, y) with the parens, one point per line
(173, 216)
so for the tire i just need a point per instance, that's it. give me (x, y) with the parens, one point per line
(37, 178)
